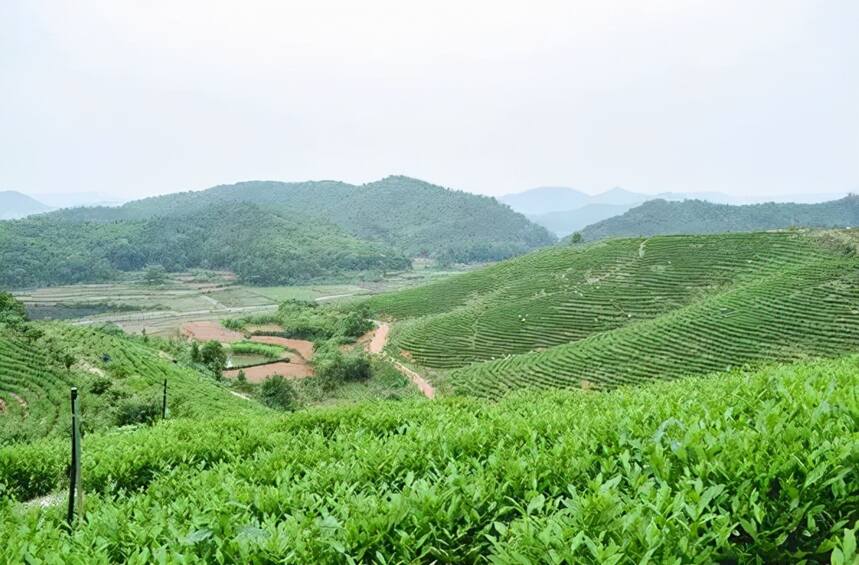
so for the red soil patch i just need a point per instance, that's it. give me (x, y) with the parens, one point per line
(304, 348)
(380, 338)
(260, 373)
(208, 331)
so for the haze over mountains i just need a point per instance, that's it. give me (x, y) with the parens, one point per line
(564, 210)
(14, 205)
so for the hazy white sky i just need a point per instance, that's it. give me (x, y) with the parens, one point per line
(144, 97)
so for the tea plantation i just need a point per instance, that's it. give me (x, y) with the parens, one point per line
(632, 310)
(740, 467)
(115, 374)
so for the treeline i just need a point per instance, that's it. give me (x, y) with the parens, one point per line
(416, 218)
(260, 246)
(660, 217)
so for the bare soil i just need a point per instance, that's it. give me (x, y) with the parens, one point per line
(210, 330)
(260, 373)
(380, 338)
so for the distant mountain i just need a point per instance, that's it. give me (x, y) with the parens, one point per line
(565, 210)
(546, 199)
(76, 199)
(566, 222)
(660, 217)
(267, 232)
(261, 246)
(415, 217)
(14, 205)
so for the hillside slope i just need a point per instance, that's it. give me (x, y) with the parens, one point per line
(748, 467)
(660, 217)
(627, 311)
(412, 216)
(260, 245)
(14, 205)
(35, 384)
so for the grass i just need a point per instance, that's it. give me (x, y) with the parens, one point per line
(632, 310)
(742, 467)
(260, 349)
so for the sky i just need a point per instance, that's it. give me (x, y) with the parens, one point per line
(133, 98)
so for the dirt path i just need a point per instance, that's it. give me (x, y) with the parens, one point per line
(2, 405)
(423, 385)
(377, 345)
(380, 339)
(21, 402)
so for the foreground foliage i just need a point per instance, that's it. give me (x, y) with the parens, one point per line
(743, 467)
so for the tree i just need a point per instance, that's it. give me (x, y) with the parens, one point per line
(68, 360)
(12, 312)
(277, 392)
(212, 354)
(195, 352)
(9, 305)
(155, 275)
(576, 238)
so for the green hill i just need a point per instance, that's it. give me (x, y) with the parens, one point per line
(35, 383)
(632, 310)
(660, 217)
(742, 468)
(262, 246)
(414, 217)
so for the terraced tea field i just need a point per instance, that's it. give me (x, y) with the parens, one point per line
(34, 383)
(628, 311)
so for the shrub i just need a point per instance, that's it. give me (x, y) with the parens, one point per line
(277, 392)
(137, 411)
(334, 367)
(100, 385)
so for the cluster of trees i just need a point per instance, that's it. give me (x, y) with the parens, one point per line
(262, 247)
(660, 217)
(272, 232)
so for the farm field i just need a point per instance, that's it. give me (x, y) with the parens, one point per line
(631, 310)
(163, 309)
(728, 468)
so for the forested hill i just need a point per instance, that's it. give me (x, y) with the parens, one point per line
(260, 245)
(412, 216)
(660, 217)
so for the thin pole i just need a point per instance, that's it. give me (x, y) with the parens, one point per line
(164, 402)
(74, 468)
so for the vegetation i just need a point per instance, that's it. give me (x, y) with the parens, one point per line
(117, 375)
(660, 217)
(277, 392)
(746, 467)
(628, 311)
(402, 216)
(307, 319)
(259, 245)
(254, 348)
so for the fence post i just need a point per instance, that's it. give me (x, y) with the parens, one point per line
(75, 467)
(164, 402)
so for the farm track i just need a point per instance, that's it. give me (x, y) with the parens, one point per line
(376, 347)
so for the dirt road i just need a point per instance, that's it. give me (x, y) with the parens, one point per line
(377, 346)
